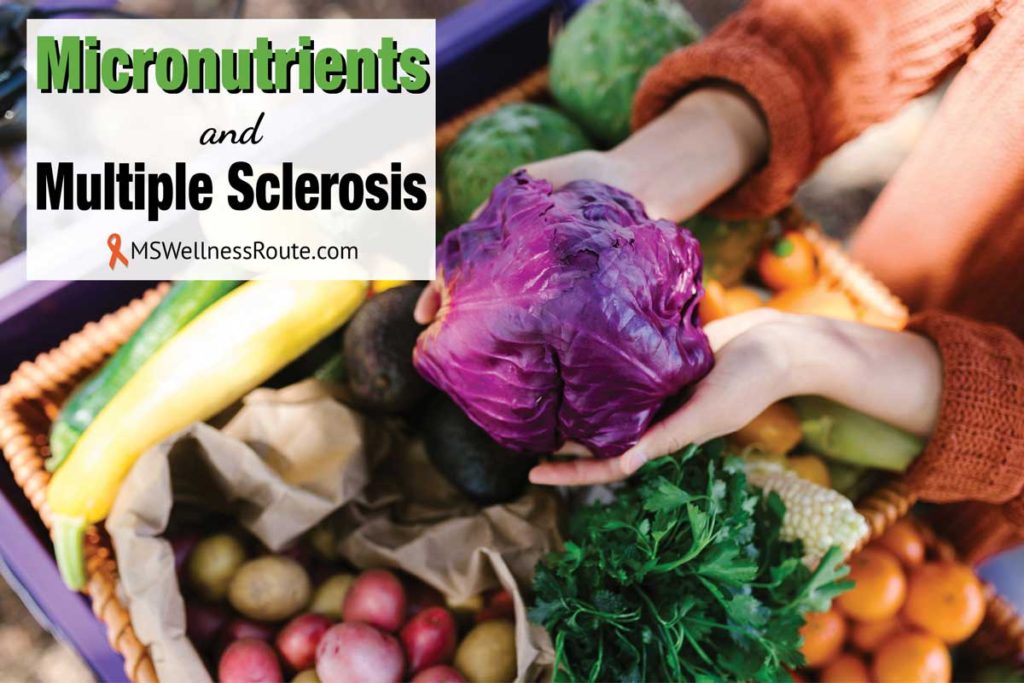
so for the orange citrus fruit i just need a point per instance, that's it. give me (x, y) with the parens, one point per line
(866, 636)
(776, 430)
(740, 299)
(846, 668)
(912, 657)
(713, 304)
(879, 586)
(815, 301)
(823, 634)
(946, 599)
(810, 467)
(903, 540)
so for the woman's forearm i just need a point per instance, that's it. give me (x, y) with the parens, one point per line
(699, 148)
(894, 376)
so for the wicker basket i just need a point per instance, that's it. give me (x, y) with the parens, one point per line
(33, 396)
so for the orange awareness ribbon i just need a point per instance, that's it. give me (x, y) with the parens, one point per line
(114, 242)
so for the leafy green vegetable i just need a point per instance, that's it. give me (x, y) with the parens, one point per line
(682, 577)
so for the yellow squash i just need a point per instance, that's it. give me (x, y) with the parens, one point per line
(231, 347)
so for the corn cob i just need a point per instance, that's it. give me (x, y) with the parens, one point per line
(818, 516)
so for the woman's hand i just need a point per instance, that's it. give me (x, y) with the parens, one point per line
(764, 356)
(699, 148)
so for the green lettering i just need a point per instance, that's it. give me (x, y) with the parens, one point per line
(140, 68)
(203, 70)
(306, 64)
(171, 73)
(238, 78)
(389, 64)
(362, 69)
(60, 68)
(264, 56)
(115, 78)
(330, 70)
(417, 78)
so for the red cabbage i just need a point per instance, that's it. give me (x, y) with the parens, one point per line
(565, 314)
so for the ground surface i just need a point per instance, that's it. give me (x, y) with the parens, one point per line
(839, 195)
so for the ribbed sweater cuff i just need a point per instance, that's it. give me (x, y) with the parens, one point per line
(977, 450)
(771, 83)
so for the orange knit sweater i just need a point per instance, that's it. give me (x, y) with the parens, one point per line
(946, 234)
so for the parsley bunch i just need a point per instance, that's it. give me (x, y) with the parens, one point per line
(682, 578)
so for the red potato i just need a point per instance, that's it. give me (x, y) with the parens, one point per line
(297, 641)
(498, 606)
(358, 653)
(376, 598)
(439, 674)
(429, 638)
(249, 661)
(204, 623)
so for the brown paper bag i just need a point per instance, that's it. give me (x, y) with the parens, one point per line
(285, 461)
(410, 518)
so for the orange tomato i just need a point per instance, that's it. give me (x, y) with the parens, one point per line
(796, 676)
(776, 430)
(713, 306)
(788, 263)
(912, 657)
(846, 668)
(903, 540)
(823, 634)
(740, 299)
(879, 586)
(946, 599)
(867, 636)
(810, 467)
(815, 301)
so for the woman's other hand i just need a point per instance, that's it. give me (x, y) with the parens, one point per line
(764, 356)
(699, 148)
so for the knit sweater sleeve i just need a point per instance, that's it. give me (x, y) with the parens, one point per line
(821, 72)
(977, 449)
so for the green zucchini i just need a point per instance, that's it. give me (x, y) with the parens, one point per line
(183, 302)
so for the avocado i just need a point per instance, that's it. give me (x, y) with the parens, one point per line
(598, 60)
(492, 146)
(729, 247)
(472, 461)
(377, 353)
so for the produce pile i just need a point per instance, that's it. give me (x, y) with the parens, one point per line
(565, 313)
(900, 619)
(257, 616)
(685, 576)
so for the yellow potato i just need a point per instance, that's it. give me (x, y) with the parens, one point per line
(488, 653)
(269, 588)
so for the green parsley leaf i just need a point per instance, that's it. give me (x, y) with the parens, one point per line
(683, 577)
